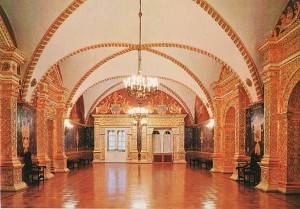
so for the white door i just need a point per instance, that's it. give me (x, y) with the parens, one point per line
(167, 142)
(115, 145)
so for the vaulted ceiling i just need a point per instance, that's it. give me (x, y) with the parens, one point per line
(185, 43)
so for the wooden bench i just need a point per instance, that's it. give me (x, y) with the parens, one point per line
(37, 173)
(79, 158)
(200, 159)
(249, 173)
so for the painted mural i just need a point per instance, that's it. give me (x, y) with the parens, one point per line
(119, 102)
(26, 126)
(77, 112)
(290, 16)
(191, 138)
(78, 138)
(201, 113)
(206, 135)
(255, 130)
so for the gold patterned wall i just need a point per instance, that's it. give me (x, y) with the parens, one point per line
(281, 75)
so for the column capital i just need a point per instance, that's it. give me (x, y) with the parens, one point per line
(14, 54)
(269, 73)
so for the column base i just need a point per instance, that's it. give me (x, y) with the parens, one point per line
(227, 169)
(239, 159)
(11, 176)
(45, 161)
(179, 161)
(269, 170)
(266, 187)
(217, 163)
(15, 187)
(289, 187)
(60, 163)
(61, 170)
(98, 157)
(98, 161)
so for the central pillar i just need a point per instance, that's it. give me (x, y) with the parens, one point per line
(269, 163)
(10, 166)
(217, 155)
(59, 158)
(240, 131)
(41, 130)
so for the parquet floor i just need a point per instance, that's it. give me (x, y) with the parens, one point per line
(145, 186)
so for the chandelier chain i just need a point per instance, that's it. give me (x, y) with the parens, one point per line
(140, 41)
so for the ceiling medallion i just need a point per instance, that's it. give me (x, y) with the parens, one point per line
(137, 85)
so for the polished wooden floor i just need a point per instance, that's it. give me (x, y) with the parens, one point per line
(145, 186)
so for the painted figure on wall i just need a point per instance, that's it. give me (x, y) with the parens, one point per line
(289, 16)
(26, 137)
(257, 129)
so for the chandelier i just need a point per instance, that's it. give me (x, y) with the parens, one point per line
(140, 86)
(138, 112)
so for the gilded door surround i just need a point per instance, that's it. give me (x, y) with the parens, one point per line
(173, 121)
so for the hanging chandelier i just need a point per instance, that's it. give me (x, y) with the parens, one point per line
(140, 86)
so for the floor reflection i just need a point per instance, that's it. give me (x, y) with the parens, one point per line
(145, 186)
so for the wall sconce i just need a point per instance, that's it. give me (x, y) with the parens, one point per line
(68, 123)
(211, 123)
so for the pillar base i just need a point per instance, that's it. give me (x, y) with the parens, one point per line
(61, 170)
(60, 163)
(179, 161)
(217, 163)
(269, 170)
(98, 157)
(239, 159)
(45, 162)
(11, 176)
(289, 187)
(13, 188)
(227, 169)
(266, 187)
(98, 161)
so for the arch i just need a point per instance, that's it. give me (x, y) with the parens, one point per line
(293, 135)
(45, 40)
(239, 44)
(99, 98)
(202, 3)
(115, 85)
(229, 140)
(156, 52)
(7, 35)
(294, 79)
(148, 47)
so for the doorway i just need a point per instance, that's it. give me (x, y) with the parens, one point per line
(293, 131)
(162, 143)
(115, 145)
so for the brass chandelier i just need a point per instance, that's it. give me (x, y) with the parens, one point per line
(137, 85)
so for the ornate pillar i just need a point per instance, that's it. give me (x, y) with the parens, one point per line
(269, 163)
(97, 147)
(41, 129)
(217, 155)
(150, 146)
(10, 166)
(180, 140)
(240, 131)
(59, 158)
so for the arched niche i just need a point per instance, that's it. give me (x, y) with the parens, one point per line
(293, 132)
